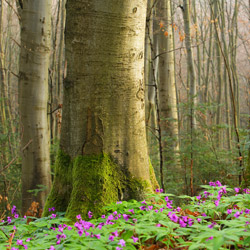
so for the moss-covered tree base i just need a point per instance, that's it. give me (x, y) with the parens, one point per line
(87, 183)
(96, 182)
(62, 186)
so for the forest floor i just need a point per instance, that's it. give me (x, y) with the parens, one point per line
(218, 218)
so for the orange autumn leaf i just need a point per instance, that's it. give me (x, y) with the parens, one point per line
(165, 33)
(175, 27)
(161, 24)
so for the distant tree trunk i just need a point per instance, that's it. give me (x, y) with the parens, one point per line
(190, 62)
(198, 53)
(192, 84)
(209, 60)
(225, 78)
(33, 97)
(219, 72)
(103, 154)
(167, 86)
(149, 82)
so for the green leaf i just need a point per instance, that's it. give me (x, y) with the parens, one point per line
(218, 242)
(129, 247)
(247, 241)
(127, 235)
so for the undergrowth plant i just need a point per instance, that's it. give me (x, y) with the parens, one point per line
(218, 218)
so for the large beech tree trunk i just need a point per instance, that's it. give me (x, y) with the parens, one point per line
(33, 94)
(103, 151)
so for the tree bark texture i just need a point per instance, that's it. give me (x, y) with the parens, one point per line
(33, 94)
(103, 127)
(167, 86)
(190, 62)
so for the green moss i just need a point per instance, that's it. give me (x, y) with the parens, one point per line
(153, 179)
(137, 188)
(87, 183)
(62, 186)
(97, 181)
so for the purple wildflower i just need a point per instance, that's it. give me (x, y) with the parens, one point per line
(115, 233)
(134, 239)
(19, 242)
(122, 243)
(13, 210)
(216, 203)
(9, 219)
(98, 236)
(90, 214)
(218, 183)
(131, 211)
(126, 217)
(210, 238)
(111, 237)
(211, 225)
(173, 217)
(247, 211)
(237, 214)
(182, 223)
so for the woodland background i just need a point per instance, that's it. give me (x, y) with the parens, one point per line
(200, 133)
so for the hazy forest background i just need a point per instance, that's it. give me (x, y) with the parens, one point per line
(197, 94)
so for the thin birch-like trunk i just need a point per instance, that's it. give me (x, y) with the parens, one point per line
(167, 87)
(219, 73)
(33, 97)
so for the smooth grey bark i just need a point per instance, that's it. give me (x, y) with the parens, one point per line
(219, 72)
(33, 97)
(167, 85)
(225, 78)
(190, 63)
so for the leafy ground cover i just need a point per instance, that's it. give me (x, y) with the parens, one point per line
(219, 218)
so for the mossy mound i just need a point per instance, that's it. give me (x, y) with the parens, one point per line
(89, 182)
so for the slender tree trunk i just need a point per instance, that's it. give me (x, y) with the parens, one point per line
(209, 61)
(198, 53)
(190, 62)
(33, 97)
(103, 150)
(225, 77)
(167, 87)
(219, 72)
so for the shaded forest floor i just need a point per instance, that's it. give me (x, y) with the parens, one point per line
(219, 218)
